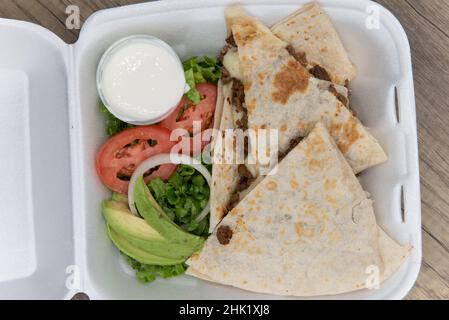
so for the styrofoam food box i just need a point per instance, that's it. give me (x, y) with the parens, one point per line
(51, 229)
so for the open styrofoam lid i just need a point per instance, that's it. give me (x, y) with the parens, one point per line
(36, 224)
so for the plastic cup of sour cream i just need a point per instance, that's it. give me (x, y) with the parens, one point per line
(141, 80)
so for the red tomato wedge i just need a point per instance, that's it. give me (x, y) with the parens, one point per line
(122, 154)
(203, 111)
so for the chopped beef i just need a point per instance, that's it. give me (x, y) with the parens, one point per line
(244, 172)
(338, 95)
(223, 52)
(224, 235)
(292, 145)
(320, 73)
(245, 146)
(231, 41)
(225, 76)
(347, 87)
(238, 95)
(246, 178)
(244, 184)
(301, 57)
(242, 123)
(233, 201)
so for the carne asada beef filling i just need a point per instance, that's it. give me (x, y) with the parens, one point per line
(317, 71)
(238, 95)
(225, 75)
(292, 145)
(341, 98)
(301, 57)
(320, 73)
(245, 176)
(224, 235)
(338, 95)
(245, 181)
(230, 44)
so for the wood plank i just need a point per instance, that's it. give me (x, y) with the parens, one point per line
(427, 25)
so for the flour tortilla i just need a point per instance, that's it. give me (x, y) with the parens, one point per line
(307, 230)
(224, 173)
(293, 118)
(310, 30)
(392, 254)
(281, 94)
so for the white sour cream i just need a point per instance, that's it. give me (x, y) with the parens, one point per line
(141, 80)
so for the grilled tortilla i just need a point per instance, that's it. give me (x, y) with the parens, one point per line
(281, 94)
(277, 92)
(313, 37)
(224, 171)
(308, 230)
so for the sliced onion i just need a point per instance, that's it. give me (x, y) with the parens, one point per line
(161, 159)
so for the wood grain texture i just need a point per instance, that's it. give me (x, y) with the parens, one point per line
(427, 25)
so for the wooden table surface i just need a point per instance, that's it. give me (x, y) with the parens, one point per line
(427, 25)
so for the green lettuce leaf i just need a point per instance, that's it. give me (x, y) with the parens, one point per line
(183, 197)
(113, 125)
(148, 273)
(199, 71)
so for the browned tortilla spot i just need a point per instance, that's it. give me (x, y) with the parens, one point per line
(251, 106)
(330, 184)
(248, 33)
(290, 79)
(301, 231)
(284, 127)
(348, 132)
(271, 186)
(315, 165)
(294, 184)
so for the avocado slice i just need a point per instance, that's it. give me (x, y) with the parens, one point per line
(138, 254)
(140, 234)
(119, 197)
(159, 221)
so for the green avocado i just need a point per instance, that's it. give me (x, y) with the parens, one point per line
(138, 254)
(140, 234)
(119, 197)
(159, 221)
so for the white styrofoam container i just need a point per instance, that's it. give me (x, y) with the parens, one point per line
(50, 130)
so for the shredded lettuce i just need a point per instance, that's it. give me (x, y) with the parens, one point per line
(148, 273)
(199, 71)
(186, 193)
(113, 125)
(183, 197)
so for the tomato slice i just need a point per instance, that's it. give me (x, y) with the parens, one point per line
(124, 152)
(203, 111)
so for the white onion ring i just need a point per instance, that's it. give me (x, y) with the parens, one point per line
(161, 159)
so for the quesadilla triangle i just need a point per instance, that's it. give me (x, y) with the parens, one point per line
(224, 173)
(313, 37)
(308, 230)
(281, 94)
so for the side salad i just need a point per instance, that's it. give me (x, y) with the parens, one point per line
(169, 198)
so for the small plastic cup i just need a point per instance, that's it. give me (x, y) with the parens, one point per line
(177, 91)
